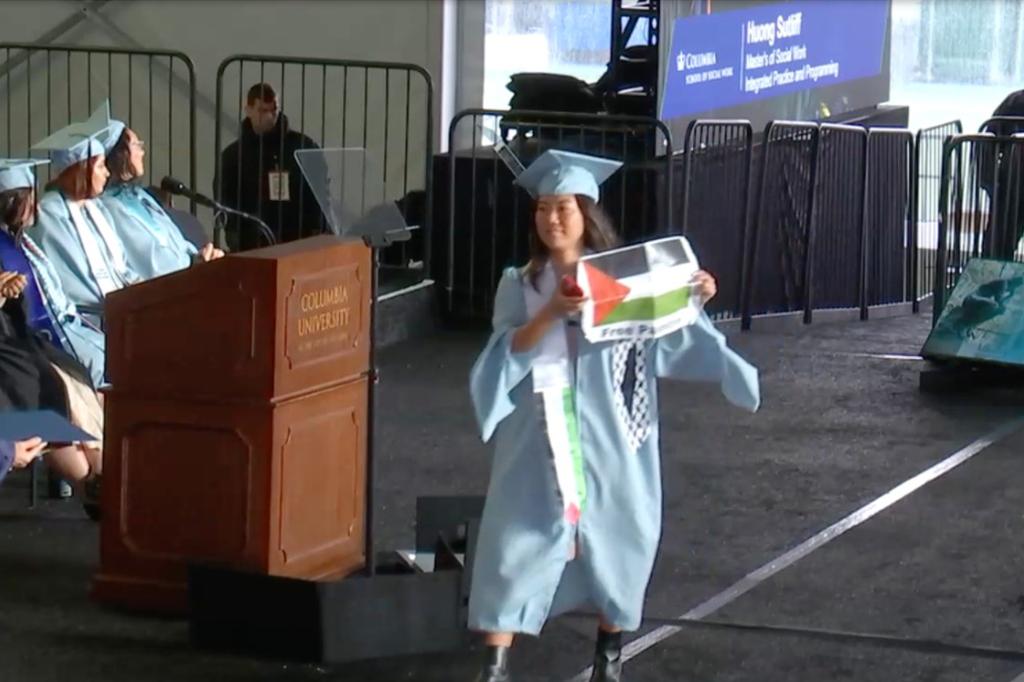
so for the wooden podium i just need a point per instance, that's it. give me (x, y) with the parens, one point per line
(237, 421)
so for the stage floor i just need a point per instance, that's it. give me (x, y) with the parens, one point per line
(925, 585)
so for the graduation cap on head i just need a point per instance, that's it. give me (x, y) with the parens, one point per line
(115, 129)
(561, 172)
(45, 424)
(18, 173)
(79, 141)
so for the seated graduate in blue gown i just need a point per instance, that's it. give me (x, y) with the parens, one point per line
(74, 228)
(153, 243)
(554, 402)
(51, 313)
(50, 357)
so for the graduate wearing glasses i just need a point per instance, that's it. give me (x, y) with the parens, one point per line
(153, 244)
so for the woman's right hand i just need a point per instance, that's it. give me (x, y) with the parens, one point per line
(27, 450)
(560, 305)
(563, 304)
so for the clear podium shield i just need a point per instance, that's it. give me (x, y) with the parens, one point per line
(349, 186)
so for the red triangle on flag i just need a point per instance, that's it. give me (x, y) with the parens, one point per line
(606, 292)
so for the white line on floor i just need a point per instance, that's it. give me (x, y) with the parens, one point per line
(752, 580)
(890, 356)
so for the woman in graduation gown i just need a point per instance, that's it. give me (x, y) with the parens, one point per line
(153, 244)
(573, 511)
(41, 334)
(74, 228)
(50, 312)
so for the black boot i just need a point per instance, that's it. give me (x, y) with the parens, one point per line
(495, 667)
(608, 657)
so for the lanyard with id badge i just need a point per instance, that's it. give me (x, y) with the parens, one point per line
(278, 186)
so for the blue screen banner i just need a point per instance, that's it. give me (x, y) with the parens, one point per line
(735, 57)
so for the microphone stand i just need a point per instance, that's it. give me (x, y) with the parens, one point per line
(375, 241)
(220, 213)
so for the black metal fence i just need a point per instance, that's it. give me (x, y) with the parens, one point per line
(489, 219)
(890, 227)
(844, 217)
(833, 224)
(153, 91)
(981, 205)
(715, 187)
(838, 239)
(385, 108)
(928, 153)
(1003, 125)
(777, 259)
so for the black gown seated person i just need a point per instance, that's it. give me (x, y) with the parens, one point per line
(37, 375)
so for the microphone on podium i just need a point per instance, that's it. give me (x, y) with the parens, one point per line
(179, 188)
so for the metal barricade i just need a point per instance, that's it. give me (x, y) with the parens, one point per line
(1002, 125)
(716, 157)
(777, 257)
(489, 219)
(890, 230)
(836, 277)
(981, 206)
(928, 155)
(46, 87)
(383, 107)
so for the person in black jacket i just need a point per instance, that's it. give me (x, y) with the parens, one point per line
(1001, 174)
(15, 454)
(259, 175)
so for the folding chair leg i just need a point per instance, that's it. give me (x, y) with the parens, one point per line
(33, 487)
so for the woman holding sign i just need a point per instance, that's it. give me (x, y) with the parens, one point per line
(573, 512)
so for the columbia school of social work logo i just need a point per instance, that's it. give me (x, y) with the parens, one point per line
(641, 291)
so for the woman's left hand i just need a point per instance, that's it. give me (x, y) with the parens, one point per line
(705, 285)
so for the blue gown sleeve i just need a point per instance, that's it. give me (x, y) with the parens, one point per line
(6, 457)
(55, 237)
(699, 352)
(497, 371)
(152, 243)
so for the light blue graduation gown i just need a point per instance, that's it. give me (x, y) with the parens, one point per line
(78, 337)
(522, 574)
(152, 241)
(56, 235)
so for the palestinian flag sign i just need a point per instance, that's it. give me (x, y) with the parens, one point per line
(640, 291)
